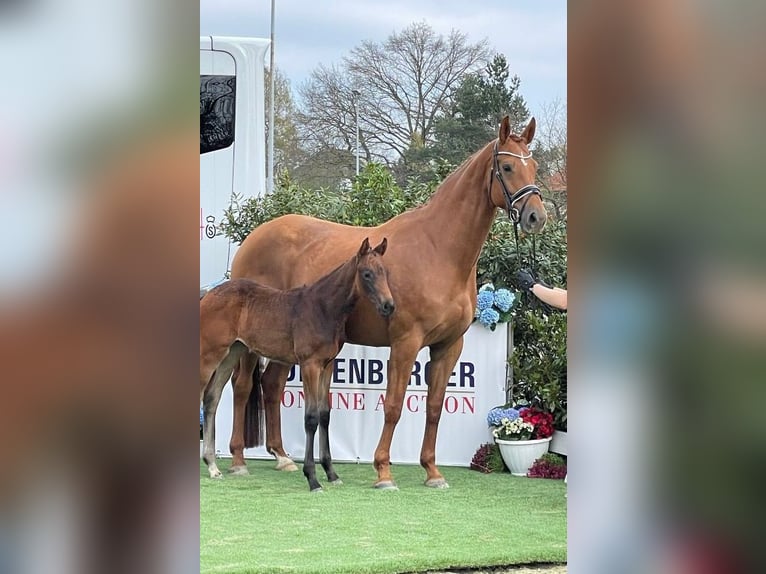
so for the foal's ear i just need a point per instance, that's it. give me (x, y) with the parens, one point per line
(381, 249)
(365, 247)
(529, 132)
(505, 130)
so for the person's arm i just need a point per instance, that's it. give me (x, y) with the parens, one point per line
(554, 296)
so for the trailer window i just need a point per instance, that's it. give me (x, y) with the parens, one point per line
(217, 96)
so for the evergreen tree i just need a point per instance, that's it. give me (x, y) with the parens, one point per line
(474, 114)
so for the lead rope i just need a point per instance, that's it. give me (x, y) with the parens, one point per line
(532, 262)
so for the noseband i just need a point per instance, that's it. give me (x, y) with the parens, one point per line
(511, 198)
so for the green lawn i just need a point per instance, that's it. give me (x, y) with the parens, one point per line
(270, 522)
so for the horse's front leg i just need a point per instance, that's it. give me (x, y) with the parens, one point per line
(443, 359)
(311, 373)
(325, 457)
(273, 382)
(401, 360)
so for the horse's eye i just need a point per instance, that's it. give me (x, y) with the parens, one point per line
(367, 275)
(506, 167)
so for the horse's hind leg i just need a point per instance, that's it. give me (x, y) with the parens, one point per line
(210, 401)
(242, 383)
(273, 384)
(324, 427)
(443, 359)
(210, 406)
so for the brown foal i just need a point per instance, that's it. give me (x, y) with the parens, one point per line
(304, 326)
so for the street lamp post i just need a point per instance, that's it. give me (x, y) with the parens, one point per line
(272, 73)
(355, 98)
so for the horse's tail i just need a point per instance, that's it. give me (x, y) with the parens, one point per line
(255, 422)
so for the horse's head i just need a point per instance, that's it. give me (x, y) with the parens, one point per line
(372, 277)
(512, 185)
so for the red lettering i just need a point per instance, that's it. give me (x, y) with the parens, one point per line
(301, 399)
(342, 398)
(381, 402)
(288, 396)
(358, 401)
(450, 405)
(412, 399)
(469, 405)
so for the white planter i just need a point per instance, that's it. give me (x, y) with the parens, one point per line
(559, 442)
(519, 455)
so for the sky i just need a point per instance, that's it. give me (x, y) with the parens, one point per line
(532, 34)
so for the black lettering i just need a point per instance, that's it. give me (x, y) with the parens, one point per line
(356, 371)
(337, 371)
(374, 372)
(466, 375)
(415, 377)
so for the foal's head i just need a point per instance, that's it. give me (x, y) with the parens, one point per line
(372, 277)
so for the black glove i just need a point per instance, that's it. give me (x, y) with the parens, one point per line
(524, 279)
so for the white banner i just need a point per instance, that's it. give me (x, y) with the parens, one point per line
(357, 394)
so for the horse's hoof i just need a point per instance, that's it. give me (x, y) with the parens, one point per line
(337, 482)
(218, 475)
(319, 490)
(239, 470)
(439, 483)
(285, 464)
(385, 485)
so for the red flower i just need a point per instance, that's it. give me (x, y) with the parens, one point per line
(542, 421)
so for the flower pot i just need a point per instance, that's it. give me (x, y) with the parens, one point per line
(519, 455)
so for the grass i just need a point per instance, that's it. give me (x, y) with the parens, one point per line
(270, 522)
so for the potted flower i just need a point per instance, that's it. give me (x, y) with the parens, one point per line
(493, 306)
(523, 435)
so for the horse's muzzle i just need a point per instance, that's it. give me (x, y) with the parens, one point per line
(533, 220)
(387, 308)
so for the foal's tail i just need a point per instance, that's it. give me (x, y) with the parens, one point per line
(255, 422)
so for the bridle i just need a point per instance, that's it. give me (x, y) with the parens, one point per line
(511, 198)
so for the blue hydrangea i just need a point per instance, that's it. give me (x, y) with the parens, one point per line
(201, 417)
(488, 317)
(485, 300)
(504, 299)
(496, 415)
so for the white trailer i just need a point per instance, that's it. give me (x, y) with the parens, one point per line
(232, 139)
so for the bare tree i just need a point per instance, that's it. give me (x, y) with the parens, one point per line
(287, 145)
(404, 83)
(551, 153)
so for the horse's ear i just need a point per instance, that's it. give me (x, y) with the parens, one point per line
(381, 249)
(529, 132)
(365, 247)
(505, 130)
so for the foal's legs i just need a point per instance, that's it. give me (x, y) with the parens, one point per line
(311, 373)
(212, 396)
(242, 384)
(210, 406)
(443, 359)
(324, 423)
(273, 382)
(401, 360)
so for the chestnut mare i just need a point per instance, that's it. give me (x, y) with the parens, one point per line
(303, 325)
(432, 274)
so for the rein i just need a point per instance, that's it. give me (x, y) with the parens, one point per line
(511, 198)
